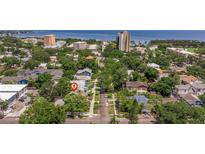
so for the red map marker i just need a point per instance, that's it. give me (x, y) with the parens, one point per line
(74, 86)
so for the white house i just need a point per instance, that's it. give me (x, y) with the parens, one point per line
(153, 65)
(81, 85)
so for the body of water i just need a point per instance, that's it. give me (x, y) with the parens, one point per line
(136, 35)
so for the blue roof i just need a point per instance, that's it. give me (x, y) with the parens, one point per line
(141, 99)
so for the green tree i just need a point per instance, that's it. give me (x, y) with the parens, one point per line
(136, 76)
(151, 73)
(133, 112)
(75, 104)
(4, 105)
(40, 55)
(10, 61)
(202, 97)
(63, 87)
(179, 113)
(114, 120)
(162, 88)
(48, 91)
(131, 62)
(31, 64)
(42, 78)
(43, 112)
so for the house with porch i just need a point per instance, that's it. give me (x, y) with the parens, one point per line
(83, 74)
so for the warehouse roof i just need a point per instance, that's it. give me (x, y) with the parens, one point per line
(6, 95)
(11, 87)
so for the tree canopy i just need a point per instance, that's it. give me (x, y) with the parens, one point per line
(43, 112)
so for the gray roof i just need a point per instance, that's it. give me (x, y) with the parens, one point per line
(83, 70)
(33, 74)
(194, 85)
(191, 99)
(198, 85)
(181, 87)
(59, 102)
(141, 99)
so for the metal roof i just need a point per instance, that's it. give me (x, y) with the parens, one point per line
(11, 87)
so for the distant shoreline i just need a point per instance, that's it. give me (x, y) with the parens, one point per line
(110, 35)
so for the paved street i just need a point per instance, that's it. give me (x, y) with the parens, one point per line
(9, 121)
(93, 99)
(104, 106)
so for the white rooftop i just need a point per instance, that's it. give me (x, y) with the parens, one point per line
(6, 95)
(93, 47)
(11, 87)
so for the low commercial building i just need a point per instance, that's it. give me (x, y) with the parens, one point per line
(11, 92)
(181, 51)
(93, 47)
(80, 45)
(24, 76)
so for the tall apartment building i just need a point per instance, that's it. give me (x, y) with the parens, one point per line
(123, 41)
(49, 40)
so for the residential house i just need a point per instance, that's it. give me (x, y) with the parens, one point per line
(184, 89)
(192, 100)
(83, 74)
(93, 47)
(169, 100)
(129, 72)
(153, 65)
(141, 49)
(153, 47)
(53, 58)
(199, 88)
(195, 89)
(136, 85)
(188, 79)
(163, 73)
(141, 99)
(75, 57)
(179, 70)
(82, 85)
(59, 102)
(43, 65)
(89, 57)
